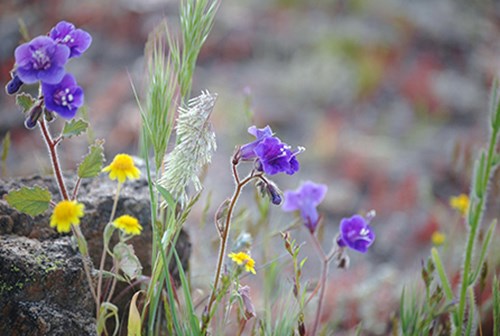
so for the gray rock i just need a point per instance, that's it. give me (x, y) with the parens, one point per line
(43, 288)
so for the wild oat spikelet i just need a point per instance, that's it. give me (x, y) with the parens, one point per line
(194, 148)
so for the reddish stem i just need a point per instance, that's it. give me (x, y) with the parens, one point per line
(51, 145)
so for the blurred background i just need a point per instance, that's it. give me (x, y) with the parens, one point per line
(389, 98)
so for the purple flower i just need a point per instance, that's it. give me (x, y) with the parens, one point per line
(247, 151)
(77, 40)
(63, 98)
(305, 199)
(356, 234)
(41, 59)
(276, 157)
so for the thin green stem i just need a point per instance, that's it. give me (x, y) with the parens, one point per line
(324, 274)
(79, 235)
(104, 251)
(223, 243)
(474, 226)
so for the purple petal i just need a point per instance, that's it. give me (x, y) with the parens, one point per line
(52, 75)
(292, 201)
(260, 133)
(63, 98)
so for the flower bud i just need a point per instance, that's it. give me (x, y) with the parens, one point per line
(14, 84)
(34, 115)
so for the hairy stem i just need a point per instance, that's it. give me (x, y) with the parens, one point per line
(473, 229)
(223, 243)
(52, 147)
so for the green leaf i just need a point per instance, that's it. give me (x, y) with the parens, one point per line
(496, 306)
(5, 152)
(479, 169)
(5, 146)
(74, 128)
(25, 101)
(127, 260)
(484, 250)
(91, 165)
(31, 201)
(442, 274)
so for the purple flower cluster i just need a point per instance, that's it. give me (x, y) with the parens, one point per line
(270, 154)
(355, 232)
(43, 60)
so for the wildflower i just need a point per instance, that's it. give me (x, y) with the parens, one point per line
(246, 152)
(241, 258)
(438, 238)
(460, 203)
(41, 59)
(356, 233)
(276, 157)
(122, 168)
(306, 198)
(272, 156)
(66, 213)
(63, 98)
(77, 40)
(128, 224)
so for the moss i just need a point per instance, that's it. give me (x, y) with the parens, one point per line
(47, 264)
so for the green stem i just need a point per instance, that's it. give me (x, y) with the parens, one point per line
(103, 254)
(474, 226)
(223, 244)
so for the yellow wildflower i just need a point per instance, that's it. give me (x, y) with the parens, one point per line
(460, 203)
(438, 238)
(241, 258)
(66, 213)
(122, 168)
(128, 224)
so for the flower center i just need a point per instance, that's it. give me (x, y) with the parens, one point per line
(67, 39)
(40, 60)
(64, 98)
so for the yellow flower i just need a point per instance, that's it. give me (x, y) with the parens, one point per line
(460, 203)
(241, 258)
(438, 238)
(128, 224)
(66, 213)
(122, 168)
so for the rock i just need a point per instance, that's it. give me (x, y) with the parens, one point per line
(43, 289)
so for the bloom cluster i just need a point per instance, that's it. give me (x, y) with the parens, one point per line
(43, 60)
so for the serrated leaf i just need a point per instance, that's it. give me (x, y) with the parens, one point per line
(91, 165)
(25, 101)
(31, 201)
(74, 128)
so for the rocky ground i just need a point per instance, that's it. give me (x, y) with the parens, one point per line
(390, 99)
